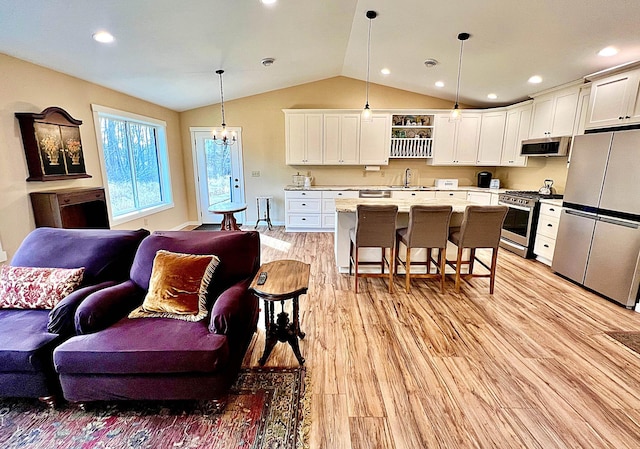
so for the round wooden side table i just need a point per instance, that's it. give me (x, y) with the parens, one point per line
(227, 210)
(286, 280)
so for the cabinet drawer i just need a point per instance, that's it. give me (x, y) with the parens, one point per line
(462, 194)
(326, 194)
(544, 247)
(304, 205)
(329, 197)
(81, 197)
(548, 226)
(303, 220)
(550, 209)
(329, 221)
(292, 194)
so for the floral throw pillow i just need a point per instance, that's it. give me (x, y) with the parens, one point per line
(36, 288)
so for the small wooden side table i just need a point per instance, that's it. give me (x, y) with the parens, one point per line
(227, 210)
(286, 280)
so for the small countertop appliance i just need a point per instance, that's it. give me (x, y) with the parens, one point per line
(484, 179)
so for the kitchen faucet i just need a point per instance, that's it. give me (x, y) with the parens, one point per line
(407, 177)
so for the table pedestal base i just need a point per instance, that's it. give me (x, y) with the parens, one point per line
(281, 330)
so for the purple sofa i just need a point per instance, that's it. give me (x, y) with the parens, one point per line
(27, 337)
(118, 358)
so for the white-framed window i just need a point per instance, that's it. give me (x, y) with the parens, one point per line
(135, 163)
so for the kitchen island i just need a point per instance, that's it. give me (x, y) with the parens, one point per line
(346, 219)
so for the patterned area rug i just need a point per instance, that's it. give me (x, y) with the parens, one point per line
(266, 409)
(630, 339)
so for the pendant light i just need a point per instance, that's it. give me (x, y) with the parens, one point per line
(222, 138)
(455, 112)
(366, 112)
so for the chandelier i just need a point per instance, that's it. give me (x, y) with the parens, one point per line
(222, 137)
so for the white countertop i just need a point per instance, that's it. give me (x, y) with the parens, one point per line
(379, 187)
(404, 204)
(554, 202)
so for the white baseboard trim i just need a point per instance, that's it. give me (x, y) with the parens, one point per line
(184, 225)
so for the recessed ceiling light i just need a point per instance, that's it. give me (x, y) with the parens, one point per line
(385, 71)
(535, 79)
(608, 51)
(492, 96)
(104, 37)
(268, 2)
(439, 84)
(268, 61)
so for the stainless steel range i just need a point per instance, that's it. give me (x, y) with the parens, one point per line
(519, 228)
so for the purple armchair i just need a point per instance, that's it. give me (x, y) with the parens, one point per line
(27, 337)
(121, 358)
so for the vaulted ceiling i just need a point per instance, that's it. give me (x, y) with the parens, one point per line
(167, 51)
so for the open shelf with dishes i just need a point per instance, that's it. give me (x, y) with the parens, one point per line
(411, 136)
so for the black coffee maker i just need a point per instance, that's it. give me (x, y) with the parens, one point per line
(484, 179)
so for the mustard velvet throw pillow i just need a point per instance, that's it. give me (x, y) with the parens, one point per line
(178, 286)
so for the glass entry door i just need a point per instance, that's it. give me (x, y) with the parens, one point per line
(219, 173)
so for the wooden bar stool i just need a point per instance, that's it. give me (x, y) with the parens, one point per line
(428, 228)
(267, 207)
(375, 228)
(481, 227)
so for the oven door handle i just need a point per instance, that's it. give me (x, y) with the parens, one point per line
(526, 209)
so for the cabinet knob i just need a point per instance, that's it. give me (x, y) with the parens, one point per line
(621, 118)
(627, 116)
(546, 246)
(550, 225)
(552, 209)
(304, 204)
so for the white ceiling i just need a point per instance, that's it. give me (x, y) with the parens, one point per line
(167, 51)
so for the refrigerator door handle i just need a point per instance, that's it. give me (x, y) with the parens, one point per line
(581, 214)
(619, 222)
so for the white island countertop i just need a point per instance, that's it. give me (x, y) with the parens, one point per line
(346, 219)
(404, 204)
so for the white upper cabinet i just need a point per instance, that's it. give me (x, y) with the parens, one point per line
(516, 130)
(554, 113)
(456, 143)
(375, 140)
(304, 138)
(335, 137)
(341, 139)
(491, 138)
(614, 100)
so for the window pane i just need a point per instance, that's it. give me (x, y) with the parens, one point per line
(117, 165)
(218, 159)
(142, 139)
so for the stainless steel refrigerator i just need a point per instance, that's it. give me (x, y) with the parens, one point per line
(598, 242)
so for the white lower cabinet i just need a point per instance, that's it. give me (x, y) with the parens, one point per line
(313, 210)
(303, 210)
(546, 234)
(460, 194)
(479, 197)
(426, 194)
(329, 206)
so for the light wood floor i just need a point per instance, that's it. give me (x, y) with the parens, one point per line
(529, 367)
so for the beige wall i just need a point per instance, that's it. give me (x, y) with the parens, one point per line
(26, 87)
(262, 122)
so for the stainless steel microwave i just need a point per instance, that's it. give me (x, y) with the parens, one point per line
(547, 146)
